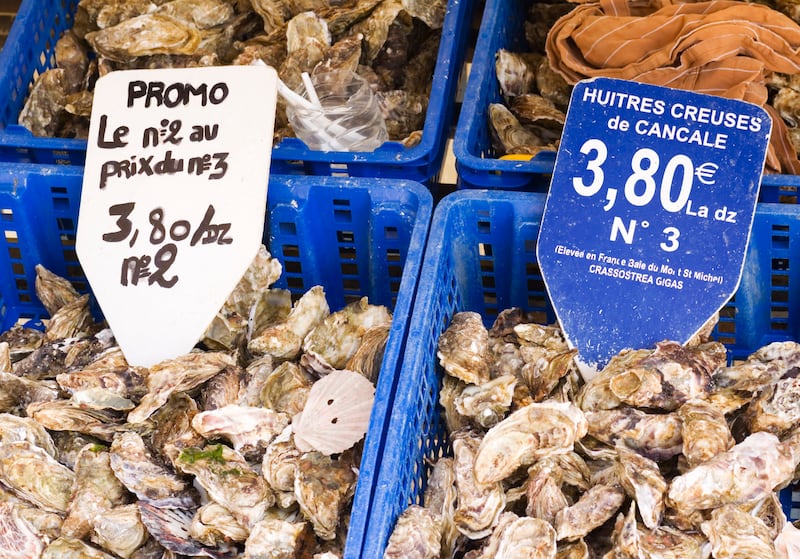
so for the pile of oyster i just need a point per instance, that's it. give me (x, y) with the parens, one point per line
(393, 44)
(194, 456)
(666, 453)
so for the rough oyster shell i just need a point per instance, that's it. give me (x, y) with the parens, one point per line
(172, 529)
(323, 487)
(642, 480)
(35, 476)
(229, 480)
(516, 72)
(479, 504)
(249, 429)
(520, 537)
(120, 530)
(533, 432)
(776, 409)
(705, 432)
(70, 548)
(214, 525)
(593, 508)
(655, 436)
(18, 538)
(463, 348)
(760, 462)
(52, 290)
(734, 533)
(145, 35)
(417, 533)
(137, 469)
(488, 403)
(273, 537)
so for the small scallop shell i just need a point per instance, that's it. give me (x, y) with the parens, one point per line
(336, 414)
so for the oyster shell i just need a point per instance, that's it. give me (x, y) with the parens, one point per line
(137, 469)
(145, 35)
(509, 136)
(214, 525)
(368, 358)
(544, 495)
(280, 539)
(763, 367)
(249, 429)
(225, 388)
(440, 497)
(177, 375)
(533, 432)
(52, 290)
(642, 480)
(479, 503)
(593, 508)
(284, 340)
(337, 338)
(120, 530)
(21, 341)
(463, 348)
(516, 72)
(229, 480)
(286, 389)
(520, 537)
(43, 112)
(172, 431)
(71, 548)
(279, 467)
(488, 403)
(776, 409)
(734, 533)
(760, 462)
(35, 476)
(323, 487)
(171, 528)
(705, 432)
(18, 538)
(655, 436)
(95, 491)
(417, 534)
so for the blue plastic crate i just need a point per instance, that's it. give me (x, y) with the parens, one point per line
(29, 51)
(481, 256)
(355, 237)
(477, 163)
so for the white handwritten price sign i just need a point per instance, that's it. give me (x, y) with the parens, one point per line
(174, 198)
(649, 213)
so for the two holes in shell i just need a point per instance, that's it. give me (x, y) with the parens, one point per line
(335, 419)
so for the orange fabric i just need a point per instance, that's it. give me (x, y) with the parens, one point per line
(719, 47)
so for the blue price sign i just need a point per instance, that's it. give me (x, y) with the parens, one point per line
(649, 213)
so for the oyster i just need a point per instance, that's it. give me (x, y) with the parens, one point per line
(787, 544)
(279, 539)
(105, 387)
(52, 290)
(214, 525)
(736, 534)
(776, 409)
(225, 388)
(284, 340)
(544, 495)
(450, 391)
(17, 393)
(520, 537)
(593, 508)
(705, 432)
(463, 348)
(95, 491)
(533, 432)
(304, 27)
(137, 469)
(279, 467)
(323, 487)
(14, 428)
(479, 503)
(70, 321)
(337, 338)
(35, 476)
(761, 463)
(120, 530)
(177, 375)
(642, 480)
(440, 497)
(368, 358)
(229, 480)
(21, 341)
(71, 548)
(509, 136)
(172, 431)
(765, 366)
(249, 429)
(43, 112)
(668, 376)
(655, 436)
(286, 389)
(416, 534)
(18, 538)
(516, 72)
(145, 35)
(171, 528)
(488, 403)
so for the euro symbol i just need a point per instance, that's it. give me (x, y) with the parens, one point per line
(705, 172)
